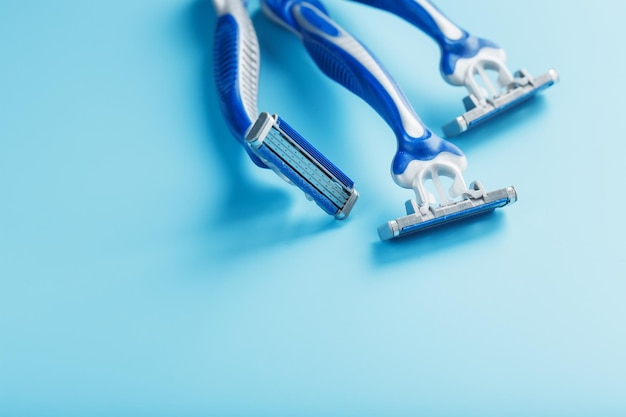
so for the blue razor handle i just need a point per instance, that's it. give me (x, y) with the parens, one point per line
(465, 61)
(422, 157)
(348, 62)
(455, 43)
(236, 66)
(269, 141)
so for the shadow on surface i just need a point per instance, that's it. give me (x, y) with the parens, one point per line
(429, 241)
(250, 214)
(237, 239)
(242, 192)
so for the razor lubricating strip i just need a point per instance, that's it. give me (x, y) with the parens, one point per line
(298, 162)
(270, 142)
(422, 157)
(465, 61)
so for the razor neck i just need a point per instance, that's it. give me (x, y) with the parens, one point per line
(425, 148)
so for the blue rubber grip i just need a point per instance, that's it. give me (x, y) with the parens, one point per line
(463, 46)
(227, 63)
(348, 62)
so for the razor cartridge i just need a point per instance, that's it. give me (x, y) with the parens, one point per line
(479, 111)
(422, 158)
(466, 60)
(417, 221)
(295, 160)
(269, 141)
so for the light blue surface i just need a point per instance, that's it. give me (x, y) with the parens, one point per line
(148, 268)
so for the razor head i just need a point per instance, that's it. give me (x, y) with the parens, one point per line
(299, 163)
(416, 221)
(477, 112)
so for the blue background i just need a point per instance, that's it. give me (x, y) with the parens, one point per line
(147, 268)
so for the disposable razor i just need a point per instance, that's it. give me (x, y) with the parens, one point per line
(465, 61)
(269, 141)
(422, 158)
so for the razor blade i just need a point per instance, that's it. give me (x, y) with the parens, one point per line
(299, 163)
(478, 112)
(417, 221)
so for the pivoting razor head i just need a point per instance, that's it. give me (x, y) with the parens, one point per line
(479, 111)
(299, 163)
(416, 220)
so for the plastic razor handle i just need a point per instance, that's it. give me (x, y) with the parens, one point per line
(345, 60)
(455, 43)
(269, 141)
(236, 66)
